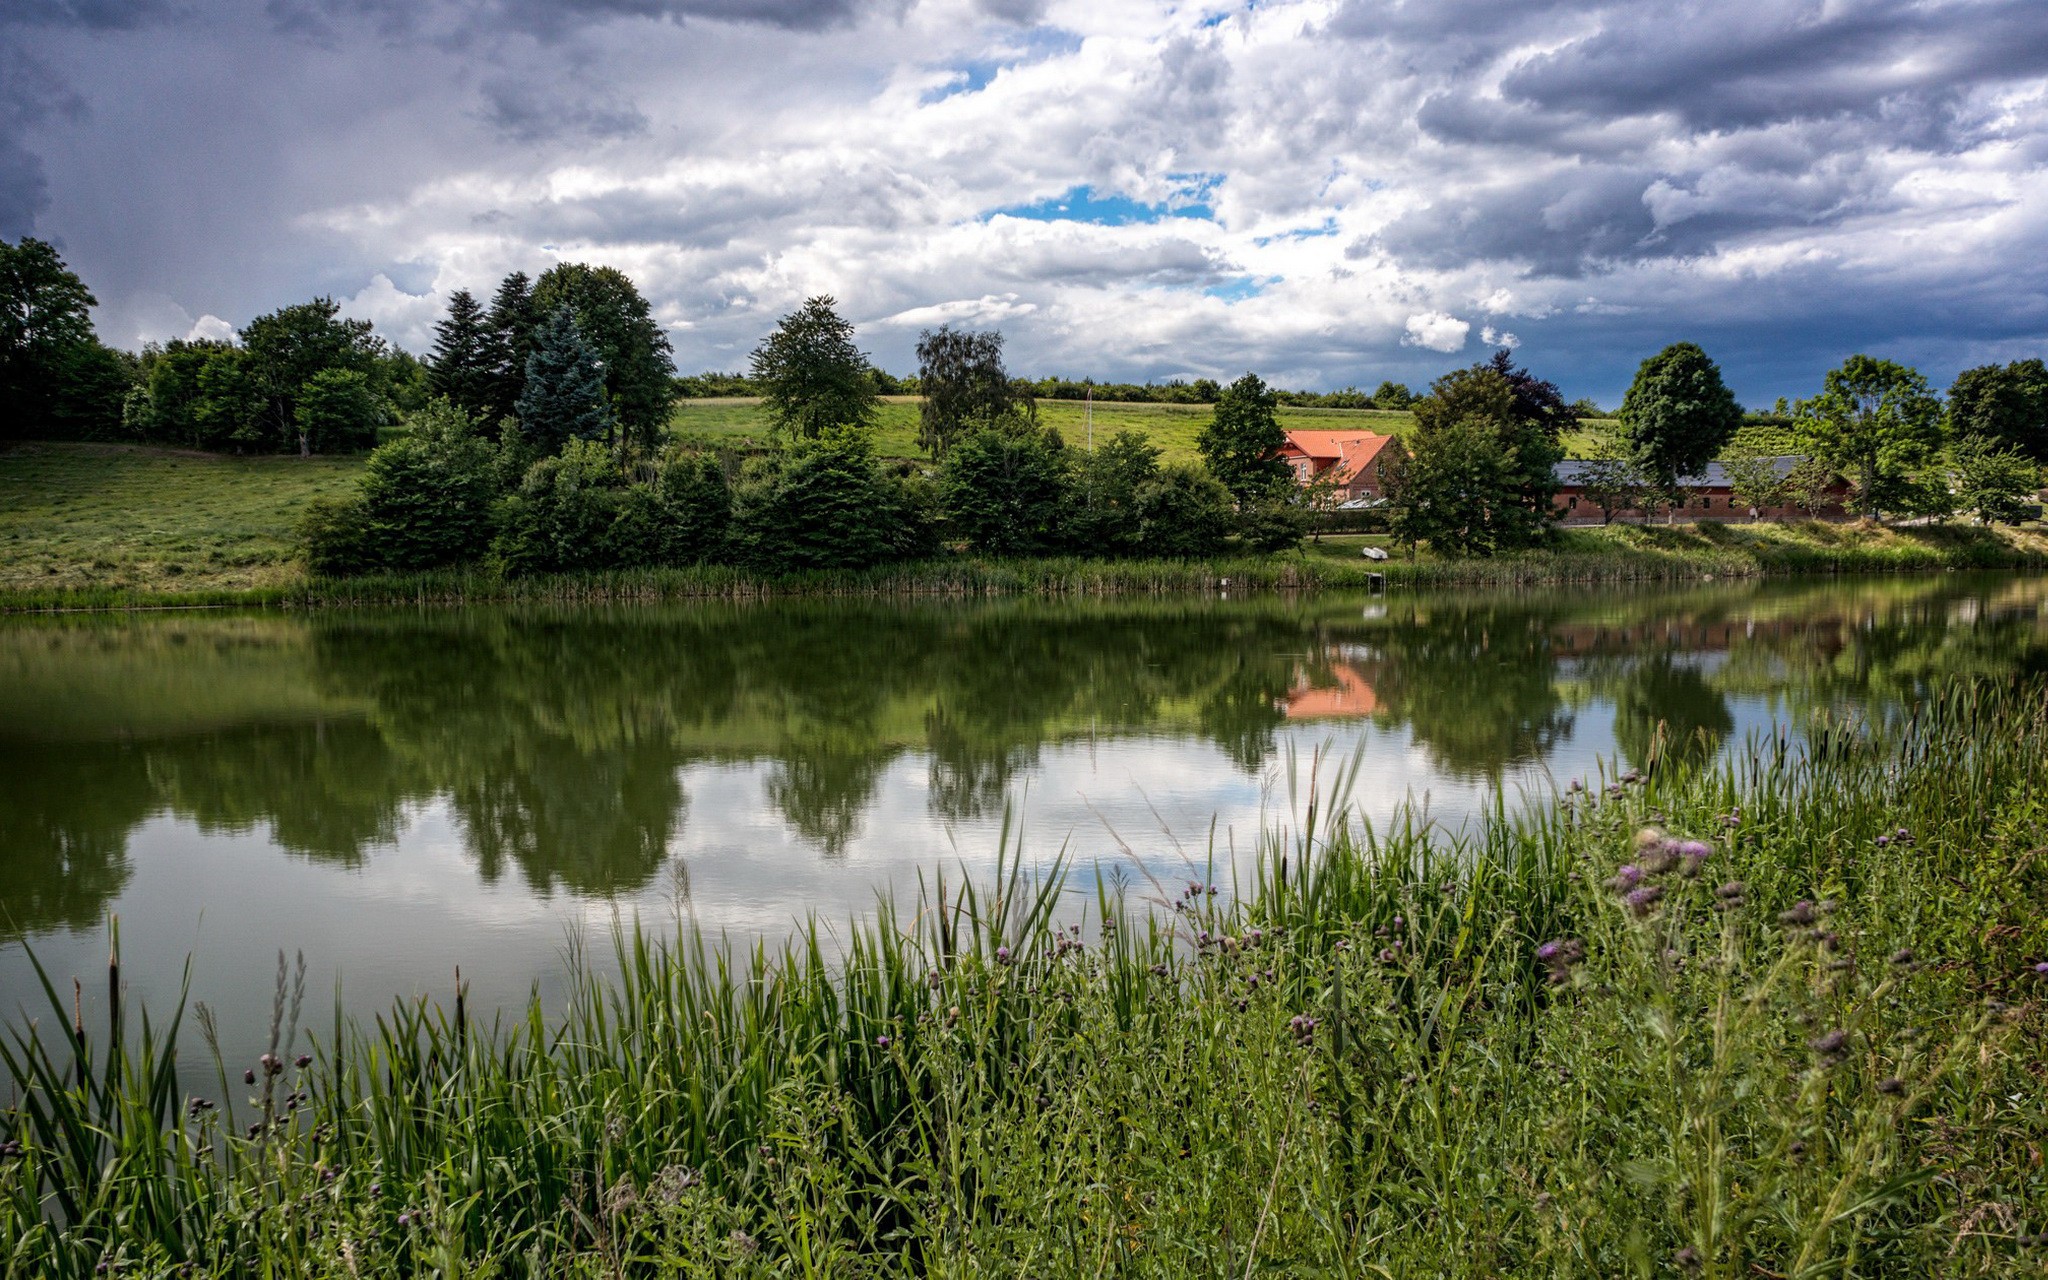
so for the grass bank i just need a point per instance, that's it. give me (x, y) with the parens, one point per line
(1793, 1031)
(94, 526)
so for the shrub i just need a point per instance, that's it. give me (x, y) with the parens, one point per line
(1104, 519)
(336, 540)
(1274, 523)
(427, 495)
(1006, 492)
(826, 504)
(696, 508)
(1184, 513)
(562, 514)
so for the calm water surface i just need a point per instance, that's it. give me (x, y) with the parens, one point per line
(399, 793)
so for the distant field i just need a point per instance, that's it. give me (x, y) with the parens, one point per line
(114, 516)
(1173, 427)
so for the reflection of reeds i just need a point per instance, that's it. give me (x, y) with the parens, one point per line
(1484, 1052)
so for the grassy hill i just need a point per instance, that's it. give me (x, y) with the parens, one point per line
(743, 423)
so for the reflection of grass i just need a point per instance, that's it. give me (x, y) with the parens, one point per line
(1388, 1053)
(742, 423)
(111, 518)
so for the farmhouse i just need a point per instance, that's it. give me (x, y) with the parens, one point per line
(1350, 458)
(1708, 496)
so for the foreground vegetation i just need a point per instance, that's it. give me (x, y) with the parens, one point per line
(1778, 1017)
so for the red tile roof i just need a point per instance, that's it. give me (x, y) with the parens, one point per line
(1348, 451)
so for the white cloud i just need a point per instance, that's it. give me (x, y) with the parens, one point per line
(1437, 331)
(1493, 337)
(210, 327)
(1872, 172)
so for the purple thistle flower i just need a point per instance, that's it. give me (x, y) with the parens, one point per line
(1883, 841)
(1002, 955)
(1549, 951)
(1626, 877)
(2042, 968)
(1830, 1044)
(1643, 900)
(881, 1042)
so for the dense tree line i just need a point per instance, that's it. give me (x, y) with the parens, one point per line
(56, 377)
(1877, 430)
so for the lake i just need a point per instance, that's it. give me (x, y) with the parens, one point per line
(399, 793)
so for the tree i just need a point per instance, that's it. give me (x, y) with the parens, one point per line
(563, 397)
(1875, 421)
(1184, 513)
(1677, 416)
(1458, 499)
(509, 329)
(2005, 405)
(811, 374)
(53, 375)
(1241, 443)
(1614, 485)
(290, 345)
(1995, 484)
(827, 504)
(1392, 395)
(338, 412)
(231, 407)
(618, 324)
(461, 368)
(1007, 493)
(960, 374)
(1810, 486)
(1105, 519)
(1755, 480)
(1533, 434)
(1451, 487)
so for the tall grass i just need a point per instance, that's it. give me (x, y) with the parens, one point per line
(1774, 1017)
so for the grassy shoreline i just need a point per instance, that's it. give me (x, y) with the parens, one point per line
(1800, 1034)
(1620, 554)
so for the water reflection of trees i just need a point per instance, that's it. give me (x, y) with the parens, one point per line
(560, 740)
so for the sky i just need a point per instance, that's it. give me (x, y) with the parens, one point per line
(1329, 192)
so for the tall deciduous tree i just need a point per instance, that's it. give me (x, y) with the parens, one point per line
(338, 412)
(1877, 422)
(1677, 415)
(811, 374)
(461, 367)
(960, 374)
(1995, 484)
(2006, 405)
(564, 396)
(618, 324)
(1461, 497)
(288, 346)
(54, 375)
(1241, 444)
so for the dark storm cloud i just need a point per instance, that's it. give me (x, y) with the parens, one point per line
(528, 111)
(1722, 67)
(29, 94)
(1021, 12)
(794, 15)
(96, 15)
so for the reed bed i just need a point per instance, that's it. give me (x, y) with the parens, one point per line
(1780, 1016)
(1621, 554)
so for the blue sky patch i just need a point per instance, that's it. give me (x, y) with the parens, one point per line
(1241, 288)
(1113, 209)
(1328, 228)
(974, 75)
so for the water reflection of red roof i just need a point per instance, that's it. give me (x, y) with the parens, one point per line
(1351, 696)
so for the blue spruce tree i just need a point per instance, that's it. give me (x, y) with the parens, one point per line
(564, 396)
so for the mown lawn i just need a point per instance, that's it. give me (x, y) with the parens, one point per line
(83, 516)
